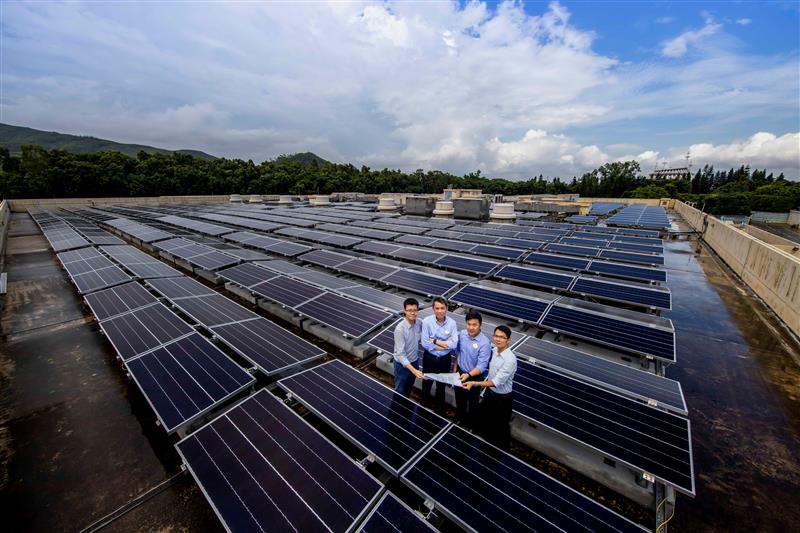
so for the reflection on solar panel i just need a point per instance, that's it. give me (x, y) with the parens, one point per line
(537, 277)
(467, 264)
(618, 291)
(392, 428)
(286, 291)
(348, 316)
(213, 310)
(377, 247)
(246, 275)
(268, 346)
(621, 378)
(263, 468)
(646, 438)
(556, 261)
(325, 258)
(144, 329)
(524, 308)
(631, 331)
(117, 300)
(182, 287)
(473, 482)
(393, 515)
(138, 262)
(186, 378)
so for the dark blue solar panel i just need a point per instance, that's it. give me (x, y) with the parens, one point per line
(623, 292)
(633, 258)
(475, 483)
(454, 246)
(263, 468)
(642, 436)
(416, 254)
(467, 264)
(570, 250)
(392, 515)
(416, 239)
(377, 247)
(348, 316)
(118, 300)
(366, 269)
(606, 329)
(526, 244)
(501, 303)
(628, 271)
(246, 274)
(557, 261)
(393, 428)
(495, 251)
(535, 277)
(286, 291)
(186, 378)
(420, 282)
(142, 330)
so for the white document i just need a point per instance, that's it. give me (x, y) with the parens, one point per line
(450, 378)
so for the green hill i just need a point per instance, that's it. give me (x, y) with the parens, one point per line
(14, 137)
(306, 159)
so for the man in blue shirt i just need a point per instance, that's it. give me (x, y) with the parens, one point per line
(439, 339)
(472, 360)
(407, 336)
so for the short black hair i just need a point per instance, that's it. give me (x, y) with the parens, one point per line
(410, 301)
(504, 329)
(473, 315)
(439, 300)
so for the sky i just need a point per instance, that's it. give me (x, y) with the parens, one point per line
(513, 89)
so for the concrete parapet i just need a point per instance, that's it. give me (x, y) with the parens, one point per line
(285, 199)
(777, 241)
(256, 199)
(49, 203)
(773, 274)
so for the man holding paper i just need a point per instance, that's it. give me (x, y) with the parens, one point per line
(439, 339)
(472, 360)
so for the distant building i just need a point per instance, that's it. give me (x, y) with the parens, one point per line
(679, 173)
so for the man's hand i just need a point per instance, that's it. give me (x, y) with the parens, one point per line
(464, 377)
(417, 373)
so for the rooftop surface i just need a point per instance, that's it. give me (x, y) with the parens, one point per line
(78, 441)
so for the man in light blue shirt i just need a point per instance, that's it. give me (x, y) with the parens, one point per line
(439, 339)
(472, 360)
(407, 335)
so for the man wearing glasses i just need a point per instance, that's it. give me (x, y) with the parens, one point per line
(407, 335)
(439, 339)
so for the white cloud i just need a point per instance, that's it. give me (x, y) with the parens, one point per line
(678, 46)
(407, 85)
(743, 22)
(664, 20)
(761, 150)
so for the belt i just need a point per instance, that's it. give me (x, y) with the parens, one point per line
(434, 355)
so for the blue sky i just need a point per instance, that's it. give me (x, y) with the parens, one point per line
(513, 89)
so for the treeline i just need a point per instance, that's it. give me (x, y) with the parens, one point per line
(41, 173)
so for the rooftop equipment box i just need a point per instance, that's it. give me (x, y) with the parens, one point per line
(471, 208)
(420, 205)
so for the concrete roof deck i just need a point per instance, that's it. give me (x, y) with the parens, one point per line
(77, 440)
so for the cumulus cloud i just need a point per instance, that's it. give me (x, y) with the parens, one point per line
(678, 46)
(447, 85)
(761, 150)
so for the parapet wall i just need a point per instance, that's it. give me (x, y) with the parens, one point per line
(773, 274)
(22, 205)
(794, 218)
(5, 217)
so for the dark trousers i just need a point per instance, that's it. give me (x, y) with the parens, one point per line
(467, 401)
(404, 379)
(495, 415)
(434, 365)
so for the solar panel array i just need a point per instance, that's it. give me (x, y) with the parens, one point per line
(641, 216)
(194, 225)
(138, 231)
(196, 254)
(90, 270)
(604, 208)
(139, 263)
(58, 233)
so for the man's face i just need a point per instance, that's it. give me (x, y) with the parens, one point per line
(410, 312)
(439, 309)
(473, 327)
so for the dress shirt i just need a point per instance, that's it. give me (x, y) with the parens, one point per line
(502, 368)
(473, 351)
(406, 341)
(445, 331)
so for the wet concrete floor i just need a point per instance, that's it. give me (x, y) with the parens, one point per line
(77, 440)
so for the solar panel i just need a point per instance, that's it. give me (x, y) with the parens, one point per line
(268, 346)
(325, 258)
(144, 329)
(622, 270)
(510, 254)
(526, 244)
(138, 262)
(473, 483)
(419, 240)
(340, 313)
(645, 295)
(537, 277)
(632, 258)
(417, 254)
(621, 378)
(185, 379)
(194, 225)
(364, 268)
(263, 468)
(183, 287)
(376, 297)
(286, 291)
(524, 308)
(213, 310)
(117, 300)
(213, 260)
(421, 282)
(556, 261)
(240, 221)
(377, 247)
(246, 274)
(391, 514)
(383, 423)
(324, 280)
(646, 438)
(289, 249)
(635, 332)
(281, 266)
(467, 264)
(644, 248)
(93, 272)
(569, 249)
